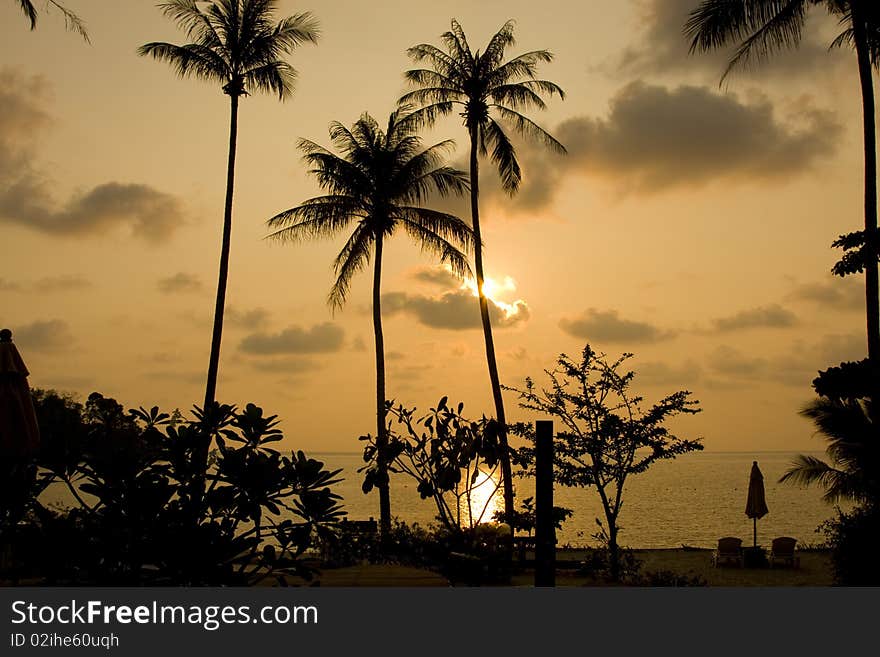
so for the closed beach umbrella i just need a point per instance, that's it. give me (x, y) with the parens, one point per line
(19, 433)
(756, 505)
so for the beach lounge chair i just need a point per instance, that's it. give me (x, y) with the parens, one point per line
(782, 552)
(729, 550)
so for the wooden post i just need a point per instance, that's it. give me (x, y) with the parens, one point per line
(545, 531)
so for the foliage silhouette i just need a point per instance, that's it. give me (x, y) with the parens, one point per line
(71, 21)
(379, 184)
(134, 522)
(452, 459)
(761, 28)
(489, 92)
(606, 435)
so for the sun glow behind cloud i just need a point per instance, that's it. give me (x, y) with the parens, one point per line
(495, 291)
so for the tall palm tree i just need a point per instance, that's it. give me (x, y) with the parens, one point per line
(853, 449)
(379, 184)
(760, 28)
(489, 93)
(238, 44)
(71, 20)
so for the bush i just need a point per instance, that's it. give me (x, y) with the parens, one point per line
(853, 538)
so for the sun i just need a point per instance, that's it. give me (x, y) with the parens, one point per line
(495, 291)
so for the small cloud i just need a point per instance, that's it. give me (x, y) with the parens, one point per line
(181, 282)
(249, 319)
(772, 316)
(439, 276)
(834, 294)
(358, 344)
(285, 365)
(64, 283)
(663, 374)
(9, 286)
(322, 338)
(732, 362)
(607, 326)
(395, 355)
(47, 335)
(454, 310)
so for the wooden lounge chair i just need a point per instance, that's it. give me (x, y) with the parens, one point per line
(729, 550)
(782, 552)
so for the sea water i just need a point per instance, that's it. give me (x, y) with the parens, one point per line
(692, 500)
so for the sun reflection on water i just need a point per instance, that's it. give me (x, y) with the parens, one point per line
(485, 499)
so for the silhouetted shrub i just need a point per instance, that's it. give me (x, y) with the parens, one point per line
(853, 538)
(145, 515)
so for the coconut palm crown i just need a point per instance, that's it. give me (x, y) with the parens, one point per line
(377, 185)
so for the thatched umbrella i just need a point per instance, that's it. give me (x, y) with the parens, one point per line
(756, 505)
(19, 433)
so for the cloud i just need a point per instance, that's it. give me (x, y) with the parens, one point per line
(662, 47)
(654, 138)
(27, 191)
(43, 335)
(285, 365)
(833, 294)
(9, 286)
(772, 316)
(608, 327)
(796, 368)
(454, 310)
(321, 338)
(439, 276)
(64, 283)
(181, 282)
(250, 319)
(658, 373)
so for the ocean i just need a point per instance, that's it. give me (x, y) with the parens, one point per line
(689, 501)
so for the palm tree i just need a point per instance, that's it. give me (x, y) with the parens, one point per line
(760, 28)
(379, 184)
(853, 449)
(71, 20)
(489, 92)
(238, 44)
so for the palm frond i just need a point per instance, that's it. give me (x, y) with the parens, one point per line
(323, 216)
(30, 11)
(431, 242)
(190, 59)
(525, 126)
(503, 155)
(353, 258)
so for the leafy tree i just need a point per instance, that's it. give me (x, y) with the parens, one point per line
(71, 20)
(489, 93)
(238, 44)
(762, 27)
(606, 435)
(453, 461)
(379, 184)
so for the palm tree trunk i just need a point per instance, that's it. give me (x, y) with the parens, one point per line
(487, 331)
(201, 464)
(872, 295)
(214, 362)
(381, 429)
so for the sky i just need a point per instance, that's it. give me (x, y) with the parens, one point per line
(690, 223)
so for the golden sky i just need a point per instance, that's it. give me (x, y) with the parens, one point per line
(690, 223)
